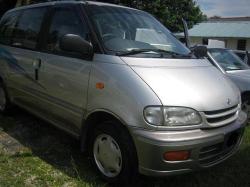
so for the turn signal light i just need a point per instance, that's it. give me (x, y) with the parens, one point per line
(176, 155)
(100, 85)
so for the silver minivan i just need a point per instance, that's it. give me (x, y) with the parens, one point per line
(115, 78)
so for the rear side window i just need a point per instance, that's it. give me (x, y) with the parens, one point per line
(64, 21)
(27, 30)
(7, 26)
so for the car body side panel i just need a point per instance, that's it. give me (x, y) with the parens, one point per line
(6, 58)
(59, 94)
(65, 81)
(124, 93)
(19, 71)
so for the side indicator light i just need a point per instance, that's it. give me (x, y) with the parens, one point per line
(99, 85)
(176, 155)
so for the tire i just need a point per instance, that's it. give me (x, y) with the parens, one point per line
(4, 100)
(114, 154)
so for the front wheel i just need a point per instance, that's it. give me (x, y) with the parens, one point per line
(114, 153)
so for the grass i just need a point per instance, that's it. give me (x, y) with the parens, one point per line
(33, 153)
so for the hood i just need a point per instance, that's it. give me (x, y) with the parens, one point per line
(190, 83)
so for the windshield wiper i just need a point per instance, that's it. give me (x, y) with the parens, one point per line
(160, 51)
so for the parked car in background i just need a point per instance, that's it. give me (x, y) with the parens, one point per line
(119, 81)
(244, 56)
(239, 72)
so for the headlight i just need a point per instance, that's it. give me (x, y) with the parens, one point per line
(171, 116)
(178, 116)
(154, 115)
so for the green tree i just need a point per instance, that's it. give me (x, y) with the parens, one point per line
(170, 12)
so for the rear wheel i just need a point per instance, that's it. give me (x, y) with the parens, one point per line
(3, 99)
(114, 153)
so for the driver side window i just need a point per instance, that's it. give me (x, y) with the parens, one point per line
(64, 21)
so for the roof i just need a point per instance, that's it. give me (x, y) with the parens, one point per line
(220, 29)
(47, 3)
(54, 2)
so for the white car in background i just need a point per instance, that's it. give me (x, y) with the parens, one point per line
(244, 55)
(239, 72)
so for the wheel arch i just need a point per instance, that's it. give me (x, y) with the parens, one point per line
(94, 119)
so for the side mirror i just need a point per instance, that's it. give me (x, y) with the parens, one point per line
(199, 51)
(76, 44)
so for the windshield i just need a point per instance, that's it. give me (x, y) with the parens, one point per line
(124, 30)
(228, 60)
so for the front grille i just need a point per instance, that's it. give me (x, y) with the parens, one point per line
(221, 117)
(214, 153)
(220, 111)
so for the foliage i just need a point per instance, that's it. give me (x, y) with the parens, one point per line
(170, 12)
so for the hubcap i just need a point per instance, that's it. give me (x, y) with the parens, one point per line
(246, 108)
(107, 155)
(2, 99)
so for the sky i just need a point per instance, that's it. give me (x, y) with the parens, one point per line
(225, 8)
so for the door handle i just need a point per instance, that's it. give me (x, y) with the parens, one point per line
(36, 65)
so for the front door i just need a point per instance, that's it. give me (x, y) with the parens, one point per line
(64, 76)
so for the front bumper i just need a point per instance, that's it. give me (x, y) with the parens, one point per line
(207, 147)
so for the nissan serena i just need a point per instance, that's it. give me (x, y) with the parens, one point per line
(118, 80)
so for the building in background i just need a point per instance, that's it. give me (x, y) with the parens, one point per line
(232, 33)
